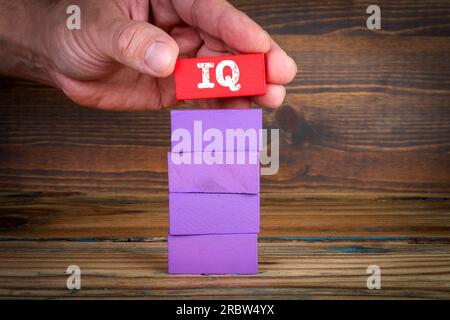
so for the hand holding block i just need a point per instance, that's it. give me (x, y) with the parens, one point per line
(202, 173)
(215, 77)
(213, 254)
(226, 130)
(213, 213)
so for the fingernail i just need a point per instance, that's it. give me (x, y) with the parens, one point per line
(270, 39)
(159, 57)
(293, 62)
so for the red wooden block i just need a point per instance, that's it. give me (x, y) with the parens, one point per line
(215, 77)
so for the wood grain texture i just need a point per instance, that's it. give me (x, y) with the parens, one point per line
(364, 171)
(287, 269)
(404, 17)
(70, 216)
(357, 118)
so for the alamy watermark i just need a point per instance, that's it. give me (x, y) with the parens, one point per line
(74, 280)
(374, 21)
(374, 280)
(74, 19)
(220, 148)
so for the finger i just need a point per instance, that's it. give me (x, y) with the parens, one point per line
(164, 14)
(273, 98)
(205, 51)
(281, 69)
(213, 43)
(140, 46)
(216, 44)
(188, 40)
(223, 103)
(166, 88)
(138, 10)
(142, 96)
(223, 21)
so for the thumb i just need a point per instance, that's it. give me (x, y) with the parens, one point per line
(141, 46)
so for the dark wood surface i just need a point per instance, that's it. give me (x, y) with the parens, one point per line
(364, 171)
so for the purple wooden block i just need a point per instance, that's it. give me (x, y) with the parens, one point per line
(213, 213)
(215, 178)
(249, 120)
(213, 254)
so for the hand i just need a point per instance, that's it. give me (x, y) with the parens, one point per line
(123, 57)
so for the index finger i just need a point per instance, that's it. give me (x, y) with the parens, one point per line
(223, 21)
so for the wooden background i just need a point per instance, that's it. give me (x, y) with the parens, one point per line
(364, 176)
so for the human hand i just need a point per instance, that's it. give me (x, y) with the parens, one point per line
(123, 56)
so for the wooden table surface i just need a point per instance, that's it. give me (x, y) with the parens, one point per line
(364, 172)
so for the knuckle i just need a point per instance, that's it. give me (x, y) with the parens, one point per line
(127, 39)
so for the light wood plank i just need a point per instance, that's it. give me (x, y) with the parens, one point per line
(290, 269)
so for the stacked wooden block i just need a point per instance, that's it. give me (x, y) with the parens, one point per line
(214, 206)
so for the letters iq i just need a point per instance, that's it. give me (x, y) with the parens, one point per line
(218, 77)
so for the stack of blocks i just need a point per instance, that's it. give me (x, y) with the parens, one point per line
(214, 208)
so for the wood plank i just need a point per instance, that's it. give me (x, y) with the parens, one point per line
(72, 215)
(364, 176)
(288, 269)
(305, 168)
(401, 65)
(358, 117)
(404, 17)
